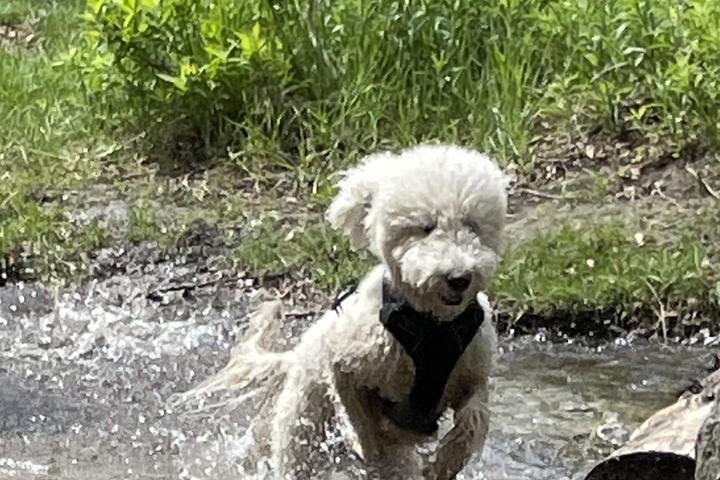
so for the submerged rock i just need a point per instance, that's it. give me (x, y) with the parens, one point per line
(665, 445)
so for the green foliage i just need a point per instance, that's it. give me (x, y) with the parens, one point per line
(144, 225)
(32, 111)
(637, 64)
(44, 137)
(185, 63)
(301, 83)
(22, 221)
(310, 85)
(591, 266)
(317, 252)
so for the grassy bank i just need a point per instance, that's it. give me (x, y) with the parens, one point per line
(601, 273)
(309, 86)
(285, 94)
(47, 136)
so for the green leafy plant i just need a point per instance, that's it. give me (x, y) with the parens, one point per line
(637, 65)
(311, 85)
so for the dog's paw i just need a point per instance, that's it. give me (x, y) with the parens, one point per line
(429, 472)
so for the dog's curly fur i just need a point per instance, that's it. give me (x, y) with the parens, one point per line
(429, 213)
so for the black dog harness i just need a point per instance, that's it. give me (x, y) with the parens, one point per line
(434, 348)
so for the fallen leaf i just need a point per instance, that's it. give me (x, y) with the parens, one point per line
(590, 151)
(639, 239)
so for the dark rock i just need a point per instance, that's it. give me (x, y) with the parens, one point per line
(645, 466)
(707, 450)
(663, 447)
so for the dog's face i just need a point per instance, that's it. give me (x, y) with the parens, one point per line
(434, 215)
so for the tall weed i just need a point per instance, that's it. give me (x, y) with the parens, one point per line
(309, 85)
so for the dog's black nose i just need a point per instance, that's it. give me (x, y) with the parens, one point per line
(459, 283)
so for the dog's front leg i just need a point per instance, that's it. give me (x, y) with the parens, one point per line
(465, 438)
(358, 413)
(301, 411)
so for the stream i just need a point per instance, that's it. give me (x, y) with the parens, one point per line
(86, 371)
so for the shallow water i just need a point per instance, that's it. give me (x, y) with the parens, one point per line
(85, 374)
(558, 409)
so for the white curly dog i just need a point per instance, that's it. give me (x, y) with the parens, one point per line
(413, 341)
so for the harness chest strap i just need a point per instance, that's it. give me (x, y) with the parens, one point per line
(434, 348)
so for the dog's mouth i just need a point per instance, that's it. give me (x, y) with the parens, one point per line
(452, 299)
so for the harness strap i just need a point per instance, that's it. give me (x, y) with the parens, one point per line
(434, 348)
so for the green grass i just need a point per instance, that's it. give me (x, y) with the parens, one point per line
(316, 251)
(143, 224)
(590, 267)
(311, 86)
(47, 136)
(568, 271)
(310, 91)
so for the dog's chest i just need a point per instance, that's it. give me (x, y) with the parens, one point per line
(406, 360)
(395, 375)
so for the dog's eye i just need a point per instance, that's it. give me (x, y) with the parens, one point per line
(427, 229)
(473, 226)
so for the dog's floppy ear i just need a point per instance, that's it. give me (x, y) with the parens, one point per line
(350, 207)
